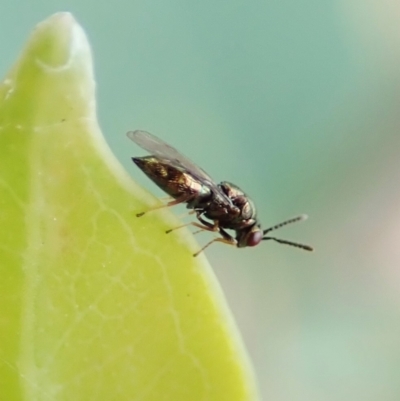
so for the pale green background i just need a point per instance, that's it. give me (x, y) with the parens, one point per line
(297, 102)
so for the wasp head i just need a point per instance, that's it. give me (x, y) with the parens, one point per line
(250, 236)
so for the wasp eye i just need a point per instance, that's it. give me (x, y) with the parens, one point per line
(254, 238)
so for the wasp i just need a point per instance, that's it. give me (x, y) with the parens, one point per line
(218, 208)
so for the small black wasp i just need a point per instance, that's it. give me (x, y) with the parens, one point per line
(218, 207)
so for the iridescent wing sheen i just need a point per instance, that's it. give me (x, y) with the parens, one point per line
(159, 148)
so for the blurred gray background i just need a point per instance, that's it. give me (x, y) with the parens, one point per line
(298, 103)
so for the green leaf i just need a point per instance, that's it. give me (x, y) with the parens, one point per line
(96, 304)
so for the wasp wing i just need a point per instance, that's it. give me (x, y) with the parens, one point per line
(158, 147)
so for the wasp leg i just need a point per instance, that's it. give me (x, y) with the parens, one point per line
(166, 198)
(183, 215)
(205, 226)
(192, 223)
(211, 227)
(174, 202)
(200, 231)
(226, 240)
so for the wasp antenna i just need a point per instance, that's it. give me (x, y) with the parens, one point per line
(290, 221)
(296, 244)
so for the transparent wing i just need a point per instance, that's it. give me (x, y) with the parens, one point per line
(157, 147)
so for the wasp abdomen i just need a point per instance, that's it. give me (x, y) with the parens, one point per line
(172, 180)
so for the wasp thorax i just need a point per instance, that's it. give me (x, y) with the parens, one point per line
(240, 200)
(231, 190)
